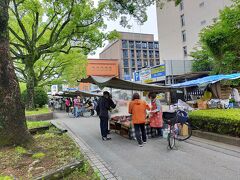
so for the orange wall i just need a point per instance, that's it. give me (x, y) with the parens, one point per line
(102, 67)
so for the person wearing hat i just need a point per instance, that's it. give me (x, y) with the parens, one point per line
(103, 106)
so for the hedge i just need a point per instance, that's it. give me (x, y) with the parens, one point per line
(221, 121)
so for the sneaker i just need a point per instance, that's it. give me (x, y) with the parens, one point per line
(140, 145)
(106, 138)
(144, 142)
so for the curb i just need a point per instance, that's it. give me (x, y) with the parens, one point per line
(217, 137)
(95, 160)
(40, 117)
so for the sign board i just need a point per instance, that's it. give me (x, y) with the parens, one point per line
(158, 71)
(145, 74)
(136, 76)
(54, 89)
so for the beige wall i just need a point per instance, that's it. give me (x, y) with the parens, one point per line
(170, 29)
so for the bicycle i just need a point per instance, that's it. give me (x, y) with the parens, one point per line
(179, 126)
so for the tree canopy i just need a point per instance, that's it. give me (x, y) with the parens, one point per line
(220, 42)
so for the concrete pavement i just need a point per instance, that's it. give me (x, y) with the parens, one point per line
(196, 159)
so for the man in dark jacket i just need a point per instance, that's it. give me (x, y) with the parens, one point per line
(104, 105)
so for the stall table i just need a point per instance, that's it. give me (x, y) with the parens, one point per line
(122, 125)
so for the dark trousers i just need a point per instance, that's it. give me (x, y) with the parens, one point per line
(154, 130)
(104, 126)
(140, 130)
(67, 109)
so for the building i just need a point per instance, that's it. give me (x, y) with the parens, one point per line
(133, 51)
(99, 67)
(179, 26)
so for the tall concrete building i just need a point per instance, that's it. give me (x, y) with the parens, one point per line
(179, 26)
(133, 51)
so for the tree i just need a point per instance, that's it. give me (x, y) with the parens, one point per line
(13, 129)
(40, 28)
(202, 60)
(221, 41)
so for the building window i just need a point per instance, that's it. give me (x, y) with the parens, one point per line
(126, 74)
(145, 63)
(182, 20)
(131, 44)
(144, 53)
(133, 69)
(156, 54)
(150, 54)
(138, 44)
(181, 5)
(203, 22)
(133, 63)
(150, 45)
(185, 51)
(156, 45)
(152, 62)
(132, 54)
(184, 36)
(157, 61)
(125, 63)
(138, 53)
(124, 44)
(201, 4)
(139, 63)
(144, 45)
(125, 53)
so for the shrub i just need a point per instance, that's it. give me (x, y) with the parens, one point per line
(39, 155)
(217, 120)
(20, 150)
(40, 97)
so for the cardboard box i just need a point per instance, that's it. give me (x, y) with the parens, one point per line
(184, 130)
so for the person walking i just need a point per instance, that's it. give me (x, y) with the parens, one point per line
(67, 104)
(103, 107)
(156, 121)
(137, 108)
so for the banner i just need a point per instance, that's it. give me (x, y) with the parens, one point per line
(158, 71)
(145, 74)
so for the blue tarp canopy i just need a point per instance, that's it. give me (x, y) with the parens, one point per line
(207, 80)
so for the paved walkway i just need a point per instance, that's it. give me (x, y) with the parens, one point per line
(196, 159)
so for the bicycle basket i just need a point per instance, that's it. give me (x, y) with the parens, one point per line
(182, 116)
(169, 117)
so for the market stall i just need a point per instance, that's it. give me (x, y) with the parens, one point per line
(213, 94)
(122, 124)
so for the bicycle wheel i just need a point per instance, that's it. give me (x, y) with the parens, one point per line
(184, 132)
(171, 139)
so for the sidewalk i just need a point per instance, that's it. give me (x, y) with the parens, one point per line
(194, 159)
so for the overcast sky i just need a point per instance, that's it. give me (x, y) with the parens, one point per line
(149, 27)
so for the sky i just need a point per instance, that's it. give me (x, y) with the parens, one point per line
(149, 27)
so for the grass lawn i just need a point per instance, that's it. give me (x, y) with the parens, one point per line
(38, 111)
(37, 124)
(48, 152)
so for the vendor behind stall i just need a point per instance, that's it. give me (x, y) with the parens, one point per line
(156, 121)
(137, 108)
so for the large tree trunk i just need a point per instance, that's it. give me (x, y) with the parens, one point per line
(13, 129)
(30, 105)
